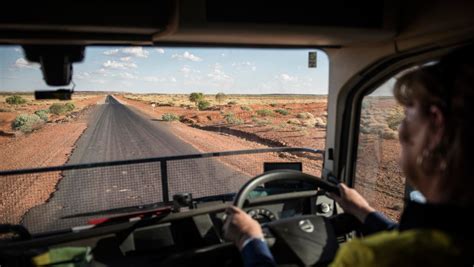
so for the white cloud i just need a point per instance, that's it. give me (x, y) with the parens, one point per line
(17, 49)
(127, 75)
(247, 65)
(287, 78)
(152, 79)
(21, 63)
(112, 64)
(187, 56)
(101, 71)
(190, 73)
(217, 74)
(160, 50)
(187, 70)
(111, 52)
(125, 58)
(155, 79)
(135, 51)
(83, 75)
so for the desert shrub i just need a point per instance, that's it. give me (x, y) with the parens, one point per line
(273, 105)
(264, 112)
(15, 100)
(5, 110)
(231, 119)
(261, 122)
(170, 117)
(320, 123)
(232, 102)
(282, 111)
(196, 97)
(203, 104)
(305, 115)
(389, 134)
(43, 114)
(27, 122)
(59, 109)
(70, 106)
(364, 130)
(220, 97)
(245, 108)
(309, 122)
(394, 119)
(294, 121)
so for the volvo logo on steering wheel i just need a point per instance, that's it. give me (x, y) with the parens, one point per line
(306, 226)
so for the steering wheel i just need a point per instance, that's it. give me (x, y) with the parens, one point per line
(310, 239)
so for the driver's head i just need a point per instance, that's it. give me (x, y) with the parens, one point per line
(437, 134)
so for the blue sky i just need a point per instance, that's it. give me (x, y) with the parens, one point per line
(178, 70)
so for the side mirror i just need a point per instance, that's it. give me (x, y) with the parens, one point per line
(55, 60)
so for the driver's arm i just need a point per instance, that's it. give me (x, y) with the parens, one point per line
(247, 235)
(354, 203)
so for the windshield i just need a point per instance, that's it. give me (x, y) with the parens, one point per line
(153, 102)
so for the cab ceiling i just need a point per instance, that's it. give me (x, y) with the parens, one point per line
(335, 23)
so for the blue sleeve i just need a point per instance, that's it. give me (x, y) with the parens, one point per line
(257, 253)
(377, 222)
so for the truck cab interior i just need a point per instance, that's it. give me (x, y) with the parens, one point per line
(367, 44)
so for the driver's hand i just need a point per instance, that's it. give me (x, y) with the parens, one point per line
(239, 226)
(352, 202)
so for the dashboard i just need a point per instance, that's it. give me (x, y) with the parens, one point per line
(193, 230)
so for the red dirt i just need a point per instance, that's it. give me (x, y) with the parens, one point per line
(6, 118)
(378, 174)
(277, 130)
(209, 141)
(50, 145)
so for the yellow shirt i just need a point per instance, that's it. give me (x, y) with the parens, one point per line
(394, 248)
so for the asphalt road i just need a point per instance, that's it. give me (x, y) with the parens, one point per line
(119, 132)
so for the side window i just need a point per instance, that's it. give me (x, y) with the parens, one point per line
(378, 174)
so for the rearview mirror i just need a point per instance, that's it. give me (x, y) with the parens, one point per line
(55, 60)
(61, 94)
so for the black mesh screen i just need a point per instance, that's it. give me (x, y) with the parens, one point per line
(28, 200)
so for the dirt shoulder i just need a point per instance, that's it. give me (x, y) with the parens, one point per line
(292, 123)
(212, 141)
(50, 145)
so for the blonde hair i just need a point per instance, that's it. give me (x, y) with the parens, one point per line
(448, 85)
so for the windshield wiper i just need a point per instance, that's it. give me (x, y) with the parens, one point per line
(130, 209)
(223, 198)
